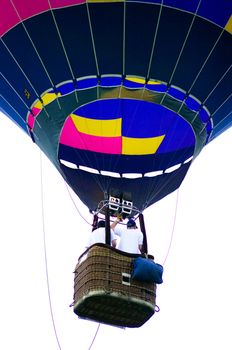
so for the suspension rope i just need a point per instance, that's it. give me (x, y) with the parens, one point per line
(223, 121)
(94, 337)
(21, 99)
(206, 60)
(22, 71)
(76, 205)
(32, 43)
(45, 251)
(155, 192)
(63, 47)
(154, 41)
(37, 53)
(20, 68)
(227, 99)
(216, 85)
(173, 228)
(92, 38)
(61, 40)
(124, 42)
(184, 43)
(13, 89)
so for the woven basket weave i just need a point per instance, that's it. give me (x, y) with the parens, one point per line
(104, 291)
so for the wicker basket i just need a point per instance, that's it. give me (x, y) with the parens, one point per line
(104, 291)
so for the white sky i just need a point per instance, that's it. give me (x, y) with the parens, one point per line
(195, 298)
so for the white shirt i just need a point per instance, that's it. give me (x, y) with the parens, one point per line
(130, 239)
(98, 236)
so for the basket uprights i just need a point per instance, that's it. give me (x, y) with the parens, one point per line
(143, 229)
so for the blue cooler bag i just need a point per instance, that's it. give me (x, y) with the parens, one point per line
(146, 270)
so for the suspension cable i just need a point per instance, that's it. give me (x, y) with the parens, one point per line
(173, 226)
(45, 251)
(76, 205)
(95, 335)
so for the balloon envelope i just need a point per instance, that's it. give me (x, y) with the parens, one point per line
(120, 95)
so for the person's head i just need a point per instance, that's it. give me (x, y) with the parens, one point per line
(131, 224)
(101, 223)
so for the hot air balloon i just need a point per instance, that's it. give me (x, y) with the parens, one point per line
(120, 95)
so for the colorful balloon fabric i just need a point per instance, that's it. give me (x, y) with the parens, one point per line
(120, 95)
